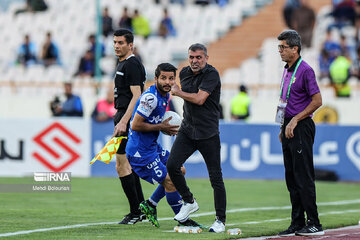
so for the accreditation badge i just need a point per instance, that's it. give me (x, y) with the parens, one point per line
(280, 112)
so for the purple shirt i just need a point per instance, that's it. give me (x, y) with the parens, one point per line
(302, 88)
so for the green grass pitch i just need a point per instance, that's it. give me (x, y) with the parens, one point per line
(101, 200)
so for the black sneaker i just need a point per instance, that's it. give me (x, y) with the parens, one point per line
(192, 223)
(290, 231)
(132, 218)
(310, 230)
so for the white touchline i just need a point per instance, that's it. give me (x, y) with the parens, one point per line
(283, 219)
(346, 202)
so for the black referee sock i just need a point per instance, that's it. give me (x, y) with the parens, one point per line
(139, 191)
(129, 185)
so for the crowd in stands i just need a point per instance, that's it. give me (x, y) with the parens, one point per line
(339, 53)
(70, 105)
(51, 51)
(27, 52)
(140, 25)
(339, 59)
(87, 62)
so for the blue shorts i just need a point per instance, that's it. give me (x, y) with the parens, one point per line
(152, 168)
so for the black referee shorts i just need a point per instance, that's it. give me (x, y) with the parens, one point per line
(117, 118)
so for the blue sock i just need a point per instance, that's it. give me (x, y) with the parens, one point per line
(174, 200)
(157, 195)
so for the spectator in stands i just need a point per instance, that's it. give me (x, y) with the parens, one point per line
(137, 54)
(356, 64)
(27, 52)
(178, 1)
(289, 7)
(104, 109)
(303, 21)
(203, 2)
(87, 65)
(172, 1)
(329, 51)
(222, 3)
(71, 107)
(324, 64)
(140, 25)
(92, 48)
(50, 52)
(339, 76)
(344, 13)
(125, 20)
(240, 105)
(166, 27)
(346, 49)
(357, 22)
(107, 23)
(33, 6)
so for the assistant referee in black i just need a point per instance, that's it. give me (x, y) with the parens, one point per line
(200, 89)
(129, 84)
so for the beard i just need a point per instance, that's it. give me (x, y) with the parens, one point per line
(162, 89)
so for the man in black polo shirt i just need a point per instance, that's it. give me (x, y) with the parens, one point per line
(200, 89)
(129, 84)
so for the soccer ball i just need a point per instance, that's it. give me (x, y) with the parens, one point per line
(176, 119)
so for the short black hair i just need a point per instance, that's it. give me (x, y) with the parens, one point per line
(242, 88)
(128, 35)
(198, 46)
(292, 38)
(165, 67)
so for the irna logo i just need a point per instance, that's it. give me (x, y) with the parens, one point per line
(52, 177)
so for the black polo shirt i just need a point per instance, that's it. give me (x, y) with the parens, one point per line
(201, 122)
(129, 72)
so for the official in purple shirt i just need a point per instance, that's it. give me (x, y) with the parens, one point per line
(301, 97)
(303, 87)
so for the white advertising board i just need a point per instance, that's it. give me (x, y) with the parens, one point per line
(44, 145)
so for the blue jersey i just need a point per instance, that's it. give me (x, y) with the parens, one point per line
(152, 106)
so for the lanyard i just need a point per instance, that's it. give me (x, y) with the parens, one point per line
(291, 81)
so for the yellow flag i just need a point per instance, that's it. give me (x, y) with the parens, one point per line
(108, 151)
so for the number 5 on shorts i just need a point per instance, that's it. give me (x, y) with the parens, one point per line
(158, 171)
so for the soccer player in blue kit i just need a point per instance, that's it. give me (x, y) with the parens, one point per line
(146, 156)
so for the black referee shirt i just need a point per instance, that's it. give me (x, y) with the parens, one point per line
(129, 72)
(201, 122)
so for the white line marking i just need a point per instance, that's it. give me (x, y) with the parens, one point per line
(346, 202)
(323, 237)
(54, 228)
(283, 219)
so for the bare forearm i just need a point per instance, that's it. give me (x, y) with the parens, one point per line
(145, 127)
(190, 97)
(198, 98)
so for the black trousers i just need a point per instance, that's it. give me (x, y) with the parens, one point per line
(181, 150)
(299, 171)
